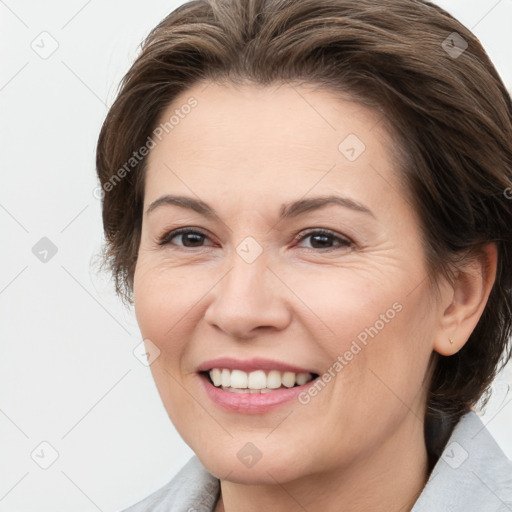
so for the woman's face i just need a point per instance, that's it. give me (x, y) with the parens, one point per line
(253, 278)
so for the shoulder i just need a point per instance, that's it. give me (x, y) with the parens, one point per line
(192, 489)
(472, 474)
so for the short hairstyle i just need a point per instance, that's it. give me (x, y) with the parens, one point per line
(442, 101)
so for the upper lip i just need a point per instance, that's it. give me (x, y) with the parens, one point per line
(249, 365)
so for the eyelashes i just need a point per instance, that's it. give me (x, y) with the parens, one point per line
(321, 236)
(166, 239)
(344, 242)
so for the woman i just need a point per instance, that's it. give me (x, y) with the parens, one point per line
(308, 204)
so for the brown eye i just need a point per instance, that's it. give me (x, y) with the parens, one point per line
(189, 238)
(324, 239)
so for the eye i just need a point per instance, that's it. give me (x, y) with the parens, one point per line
(323, 239)
(189, 237)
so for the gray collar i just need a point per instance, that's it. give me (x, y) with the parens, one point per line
(472, 474)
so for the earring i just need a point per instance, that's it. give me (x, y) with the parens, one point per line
(451, 341)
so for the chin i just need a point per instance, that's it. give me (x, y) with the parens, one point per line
(263, 471)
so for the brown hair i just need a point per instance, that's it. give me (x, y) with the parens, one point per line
(445, 104)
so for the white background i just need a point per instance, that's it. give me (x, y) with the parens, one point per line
(68, 375)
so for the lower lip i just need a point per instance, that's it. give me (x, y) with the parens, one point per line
(251, 403)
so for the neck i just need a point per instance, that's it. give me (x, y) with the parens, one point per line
(391, 477)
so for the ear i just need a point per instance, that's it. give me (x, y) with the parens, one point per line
(464, 300)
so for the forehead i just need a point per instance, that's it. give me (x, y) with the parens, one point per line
(228, 118)
(281, 136)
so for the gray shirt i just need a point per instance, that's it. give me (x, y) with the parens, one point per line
(472, 475)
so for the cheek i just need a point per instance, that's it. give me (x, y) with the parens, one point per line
(377, 337)
(345, 307)
(386, 375)
(164, 300)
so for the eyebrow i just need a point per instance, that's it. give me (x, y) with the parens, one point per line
(288, 210)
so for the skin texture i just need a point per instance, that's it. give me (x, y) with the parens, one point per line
(246, 151)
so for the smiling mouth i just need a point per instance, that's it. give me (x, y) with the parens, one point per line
(258, 381)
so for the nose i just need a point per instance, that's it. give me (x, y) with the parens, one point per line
(248, 300)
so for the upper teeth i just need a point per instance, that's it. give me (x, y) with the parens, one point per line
(257, 379)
